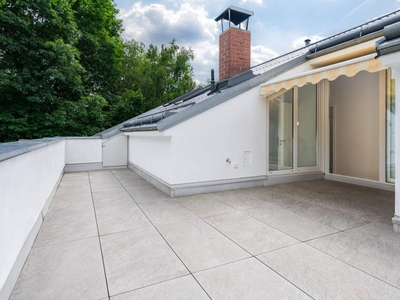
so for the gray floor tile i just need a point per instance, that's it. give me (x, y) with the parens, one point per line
(134, 183)
(145, 193)
(106, 185)
(373, 248)
(117, 218)
(166, 211)
(280, 200)
(75, 175)
(183, 288)
(111, 198)
(127, 176)
(204, 205)
(324, 277)
(71, 203)
(238, 200)
(290, 223)
(247, 279)
(61, 227)
(251, 234)
(199, 245)
(327, 216)
(63, 190)
(138, 258)
(71, 270)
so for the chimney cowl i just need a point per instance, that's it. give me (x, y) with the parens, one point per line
(307, 42)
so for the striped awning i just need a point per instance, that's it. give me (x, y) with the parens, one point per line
(348, 68)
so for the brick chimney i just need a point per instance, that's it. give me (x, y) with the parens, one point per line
(234, 42)
(234, 52)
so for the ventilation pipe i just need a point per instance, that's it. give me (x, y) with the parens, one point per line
(212, 81)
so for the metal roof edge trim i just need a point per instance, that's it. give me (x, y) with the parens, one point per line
(146, 127)
(228, 94)
(30, 145)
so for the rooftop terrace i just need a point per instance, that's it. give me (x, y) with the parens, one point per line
(111, 235)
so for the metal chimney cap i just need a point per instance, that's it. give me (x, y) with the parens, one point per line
(237, 15)
(307, 42)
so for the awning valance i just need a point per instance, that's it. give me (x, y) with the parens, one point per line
(349, 68)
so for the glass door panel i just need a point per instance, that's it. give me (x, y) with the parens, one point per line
(281, 132)
(390, 128)
(307, 126)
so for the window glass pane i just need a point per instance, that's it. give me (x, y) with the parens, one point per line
(390, 128)
(307, 126)
(281, 132)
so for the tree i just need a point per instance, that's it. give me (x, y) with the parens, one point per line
(161, 74)
(39, 65)
(100, 45)
(64, 69)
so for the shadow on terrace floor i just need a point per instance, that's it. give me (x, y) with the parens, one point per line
(111, 235)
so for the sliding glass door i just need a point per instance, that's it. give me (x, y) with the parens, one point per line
(281, 132)
(293, 142)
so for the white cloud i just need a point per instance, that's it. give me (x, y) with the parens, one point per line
(188, 23)
(260, 54)
(253, 1)
(299, 42)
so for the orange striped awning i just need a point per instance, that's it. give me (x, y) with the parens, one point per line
(348, 68)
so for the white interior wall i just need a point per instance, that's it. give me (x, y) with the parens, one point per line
(356, 101)
(83, 150)
(26, 183)
(151, 151)
(202, 144)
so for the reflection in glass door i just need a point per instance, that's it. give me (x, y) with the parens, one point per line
(307, 126)
(281, 132)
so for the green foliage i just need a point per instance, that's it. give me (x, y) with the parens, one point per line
(161, 74)
(100, 44)
(65, 71)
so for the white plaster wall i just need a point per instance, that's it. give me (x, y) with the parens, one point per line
(115, 151)
(26, 182)
(151, 151)
(81, 150)
(201, 145)
(357, 125)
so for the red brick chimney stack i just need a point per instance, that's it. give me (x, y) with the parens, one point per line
(234, 42)
(234, 52)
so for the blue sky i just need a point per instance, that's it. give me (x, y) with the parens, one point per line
(277, 27)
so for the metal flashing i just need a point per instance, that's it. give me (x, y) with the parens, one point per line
(228, 94)
(145, 127)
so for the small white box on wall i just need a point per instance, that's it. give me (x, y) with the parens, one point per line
(247, 159)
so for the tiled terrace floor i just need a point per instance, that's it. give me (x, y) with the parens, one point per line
(111, 235)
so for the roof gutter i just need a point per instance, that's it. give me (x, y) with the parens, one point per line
(371, 30)
(346, 44)
(391, 42)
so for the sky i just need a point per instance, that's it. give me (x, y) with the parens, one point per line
(277, 26)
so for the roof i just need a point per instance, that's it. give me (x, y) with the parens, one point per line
(199, 100)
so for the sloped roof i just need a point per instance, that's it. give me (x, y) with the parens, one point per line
(199, 100)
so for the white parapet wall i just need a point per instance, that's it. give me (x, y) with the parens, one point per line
(83, 154)
(29, 177)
